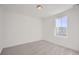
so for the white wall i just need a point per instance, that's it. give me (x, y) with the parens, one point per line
(1, 28)
(20, 29)
(73, 29)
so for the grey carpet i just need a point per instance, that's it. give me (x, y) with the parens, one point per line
(38, 48)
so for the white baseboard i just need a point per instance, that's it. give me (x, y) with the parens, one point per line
(1, 50)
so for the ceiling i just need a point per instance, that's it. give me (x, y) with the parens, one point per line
(30, 9)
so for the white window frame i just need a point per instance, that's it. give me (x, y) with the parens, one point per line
(65, 36)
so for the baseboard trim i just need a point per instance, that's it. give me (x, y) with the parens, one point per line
(64, 46)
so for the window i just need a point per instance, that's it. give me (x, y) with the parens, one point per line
(61, 26)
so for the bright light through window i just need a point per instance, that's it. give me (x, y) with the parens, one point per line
(61, 22)
(61, 26)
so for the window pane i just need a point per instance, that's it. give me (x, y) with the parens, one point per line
(58, 23)
(63, 21)
(61, 26)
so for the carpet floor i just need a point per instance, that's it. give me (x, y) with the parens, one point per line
(41, 47)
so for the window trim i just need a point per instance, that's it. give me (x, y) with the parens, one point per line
(66, 28)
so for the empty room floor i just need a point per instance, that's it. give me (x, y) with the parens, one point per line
(41, 47)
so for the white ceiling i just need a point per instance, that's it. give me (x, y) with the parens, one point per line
(30, 9)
